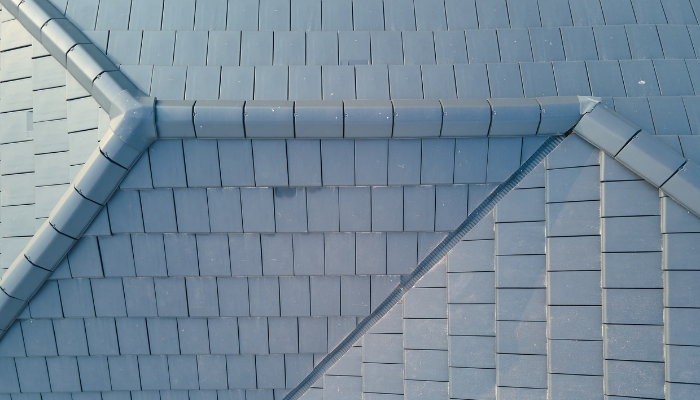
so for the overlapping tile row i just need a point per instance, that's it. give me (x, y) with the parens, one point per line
(519, 290)
(50, 128)
(574, 314)
(218, 48)
(317, 15)
(314, 163)
(632, 284)
(680, 231)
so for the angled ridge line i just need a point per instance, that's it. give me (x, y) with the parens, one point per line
(440, 251)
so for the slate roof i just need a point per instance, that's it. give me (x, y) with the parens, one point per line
(228, 268)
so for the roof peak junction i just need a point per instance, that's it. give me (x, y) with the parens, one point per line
(137, 120)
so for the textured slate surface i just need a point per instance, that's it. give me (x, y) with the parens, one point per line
(229, 268)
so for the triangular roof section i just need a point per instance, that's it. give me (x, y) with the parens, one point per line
(137, 120)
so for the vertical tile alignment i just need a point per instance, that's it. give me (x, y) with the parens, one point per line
(521, 351)
(632, 285)
(574, 341)
(471, 319)
(680, 230)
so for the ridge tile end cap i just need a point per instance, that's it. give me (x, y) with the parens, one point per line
(684, 187)
(133, 119)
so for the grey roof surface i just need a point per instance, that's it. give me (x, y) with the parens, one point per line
(229, 268)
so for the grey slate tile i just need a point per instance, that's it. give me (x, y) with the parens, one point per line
(399, 16)
(418, 47)
(643, 41)
(475, 255)
(236, 161)
(132, 336)
(523, 14)
(574, 322)
(472, 351)
(554, 13)
(241, 371)
(277, 254)
(472, 382)
(321, 48)
(13, 345)
(252, 333)
(520, 271)
(683, 369)
(438, 82)
(84, 259)
(419, 208)
(681, 326)
(237, 83)
(572, 184)
(139, 177)
(212, 372)
(338, 329)
(168, 164)
(405, 82)
(154, 372)
(223, 47)
(425, 334)
(256, 48)
(611, 42)
(675, 218)
(76, 297)
(271, 82)
(211, 15)
(381, 287)
(367, 15)
(503, 159)
(294, 294)
(531, 370)
(157, 47)
(518, 337)
(284, 335)
(372, 82)
(140, 297)
(264, 294)
(168, 82)
(625, 378)
(673, 77)
(290, 210)
(633, 342)
(233, 297)
(404, 162)
(681, 286)
(635, 109)
(270, 161)
(213, 255)
(401, 249)
(450, 206)
(38, 337)
(472, 81)
(243, 15)
(94, 373)
(32, 374)
(258, 209)
(546, 43)
(202, 160)
(675, 41)
(355, 295)
(304, 162)
(124, 373)
(171, 298)
(191, 210)
(617, 198)
(386, 47)
(571, 77)
(355, 209)
(538, 79)
(370, 253)
(183, 372)
(573, 253)
(605, 78)
(224, 209)
(387, 208)
(579, 44)
(574, 288)
(520, 238)
(353, 48)
(181, 254)
(632, 306)
(223, 335)
(639, 78)
(573, 219)
(640, 236)
(63, 374)
(450, 47)
(202, 296)
(116, 251)
(125, 212)
(124, 47)
(322, 205)
(514, 45)
(437, 161)
(325, 295)
(246, 256)
(371, 162)
(482, 46)
(339, 253)
(470, 160)
(70, 337)
(149, 255)
(521, 206)
(520, 304)
(313, 335)
(110, 301)
(178, 14)
(194, 335)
